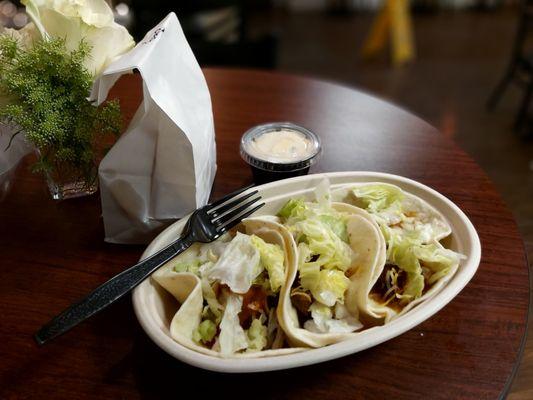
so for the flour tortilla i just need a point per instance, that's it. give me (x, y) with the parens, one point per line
(369, 247)
(187, 289)
(425, 214)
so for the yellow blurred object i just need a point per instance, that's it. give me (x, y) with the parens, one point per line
(392, 22)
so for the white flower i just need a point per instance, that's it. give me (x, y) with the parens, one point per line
(76, 20)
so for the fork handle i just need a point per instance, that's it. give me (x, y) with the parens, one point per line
(110, 291)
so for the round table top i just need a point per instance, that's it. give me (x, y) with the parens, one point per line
(52, 253)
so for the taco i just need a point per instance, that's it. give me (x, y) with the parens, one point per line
(336, 244)
(228, 291)
(396, 209)
(417, 265)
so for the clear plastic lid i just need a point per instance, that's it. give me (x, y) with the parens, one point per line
(280, 146)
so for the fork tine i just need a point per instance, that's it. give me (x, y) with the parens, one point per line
(233, 222)
(222, 200)
(221, 219)
(220, 211)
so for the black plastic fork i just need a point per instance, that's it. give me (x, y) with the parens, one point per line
(204, 225)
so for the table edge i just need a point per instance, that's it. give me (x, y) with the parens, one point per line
(519, 357)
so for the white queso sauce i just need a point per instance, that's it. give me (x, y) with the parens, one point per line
(281, 146)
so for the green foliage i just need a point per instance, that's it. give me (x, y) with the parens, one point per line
(47, 88)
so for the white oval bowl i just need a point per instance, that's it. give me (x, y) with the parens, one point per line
(154, 307)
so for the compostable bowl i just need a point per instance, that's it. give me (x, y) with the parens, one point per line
(155, 308)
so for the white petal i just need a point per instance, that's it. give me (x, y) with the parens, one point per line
(75, 20)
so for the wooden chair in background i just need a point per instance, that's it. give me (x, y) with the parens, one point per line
(520, 68)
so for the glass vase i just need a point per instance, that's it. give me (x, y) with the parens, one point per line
(67, 181)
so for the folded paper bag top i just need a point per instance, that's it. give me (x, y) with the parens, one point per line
(163, 166)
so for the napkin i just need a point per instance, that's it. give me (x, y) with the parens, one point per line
(163, 166)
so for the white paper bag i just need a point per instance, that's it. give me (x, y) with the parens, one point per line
(163, 166)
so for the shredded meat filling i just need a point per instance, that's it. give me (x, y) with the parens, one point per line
(301, 300)
(253, 305)
(391, 282)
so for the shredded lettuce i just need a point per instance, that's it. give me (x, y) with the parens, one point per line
(323, 321)
(409, 253)
(326, 285)
(200, 257)
(211, 298)
(414, 286)
(238, 265)
(320, 226)
(232, 337)
(330, 287)
(403, 214)
(376, 198)
(205, 332)
(337, 225)
(212, 251)
(438, 259)
(323, 193)
(293, 208)
(257, 336)
(324, 253)
(401, 252)
(383, 201)
(272, 258)
(323, 242)
(188, 266)
(320, 314)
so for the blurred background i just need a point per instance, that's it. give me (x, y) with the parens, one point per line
(465, 66)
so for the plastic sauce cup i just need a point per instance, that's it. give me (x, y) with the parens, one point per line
(279, 150)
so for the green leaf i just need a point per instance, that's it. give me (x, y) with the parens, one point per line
(292, 208)
(375, 198)
(257, 336)
(272, 258)
(191, 266)
(205, 332)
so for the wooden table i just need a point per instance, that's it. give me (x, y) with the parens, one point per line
(52, 253)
